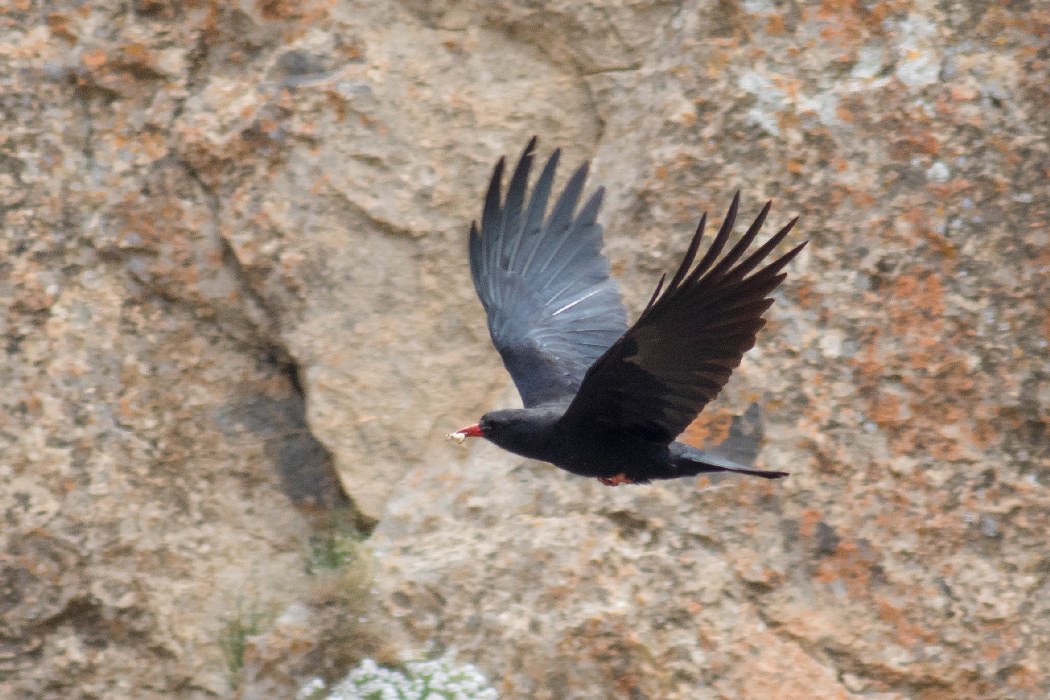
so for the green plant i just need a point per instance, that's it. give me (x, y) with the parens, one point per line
(335, 543)
(245, 621)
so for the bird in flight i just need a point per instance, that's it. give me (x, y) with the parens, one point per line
(601, 399)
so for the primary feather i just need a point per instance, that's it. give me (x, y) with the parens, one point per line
(676, 358)
(552, 308)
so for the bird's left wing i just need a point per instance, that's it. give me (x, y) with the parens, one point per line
(656, 379)
(552, 307)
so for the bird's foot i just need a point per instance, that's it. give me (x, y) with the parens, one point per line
(616, 480)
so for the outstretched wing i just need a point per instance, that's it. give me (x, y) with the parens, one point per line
(677, 357)
(552, 309)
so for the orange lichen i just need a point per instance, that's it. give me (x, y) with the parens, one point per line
(886, 411)
(848, 565)
(908, 633)
(275, 10)
(844, 114)
(58, 25)
(809, 520)
(805, 294)
(94, 59)
(709, 428)
(775, 25)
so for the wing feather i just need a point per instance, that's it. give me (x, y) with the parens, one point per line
(552, 307)
(660, 374)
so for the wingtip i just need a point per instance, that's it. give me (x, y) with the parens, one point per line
(687, 259)
(552, 161)
(734, 207)
(694, 244)
(796, 250)
(529, 152)
(593, 205)
(496, 181)
(577, 181)
(656, 294)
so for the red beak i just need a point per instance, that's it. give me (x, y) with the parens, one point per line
(469, 431)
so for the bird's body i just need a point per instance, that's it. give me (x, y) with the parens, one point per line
(601, 399)
(539, 433)
(605, 453)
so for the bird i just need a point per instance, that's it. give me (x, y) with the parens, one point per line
(601, 399)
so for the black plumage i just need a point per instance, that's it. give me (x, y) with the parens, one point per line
(602, 399)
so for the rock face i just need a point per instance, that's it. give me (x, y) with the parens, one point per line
(236, 293)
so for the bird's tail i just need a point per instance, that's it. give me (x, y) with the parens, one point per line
(689, 461)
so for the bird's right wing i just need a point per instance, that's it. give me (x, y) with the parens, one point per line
(552, 308)
(679, 354)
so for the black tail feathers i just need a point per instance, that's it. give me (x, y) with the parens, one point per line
(691, 461)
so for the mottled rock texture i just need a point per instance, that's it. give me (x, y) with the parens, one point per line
(233, 267)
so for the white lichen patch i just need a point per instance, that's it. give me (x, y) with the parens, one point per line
(914, 58)
(869, 63)
(769, 99)
(938, 172)
(759, 7)
(920, 64)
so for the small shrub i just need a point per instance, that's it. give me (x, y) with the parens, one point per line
(441, 679)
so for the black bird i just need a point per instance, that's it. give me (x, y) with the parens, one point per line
(601, 399)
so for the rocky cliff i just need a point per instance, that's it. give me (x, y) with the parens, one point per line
(235, 300)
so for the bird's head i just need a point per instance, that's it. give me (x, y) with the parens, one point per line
(492, 425)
